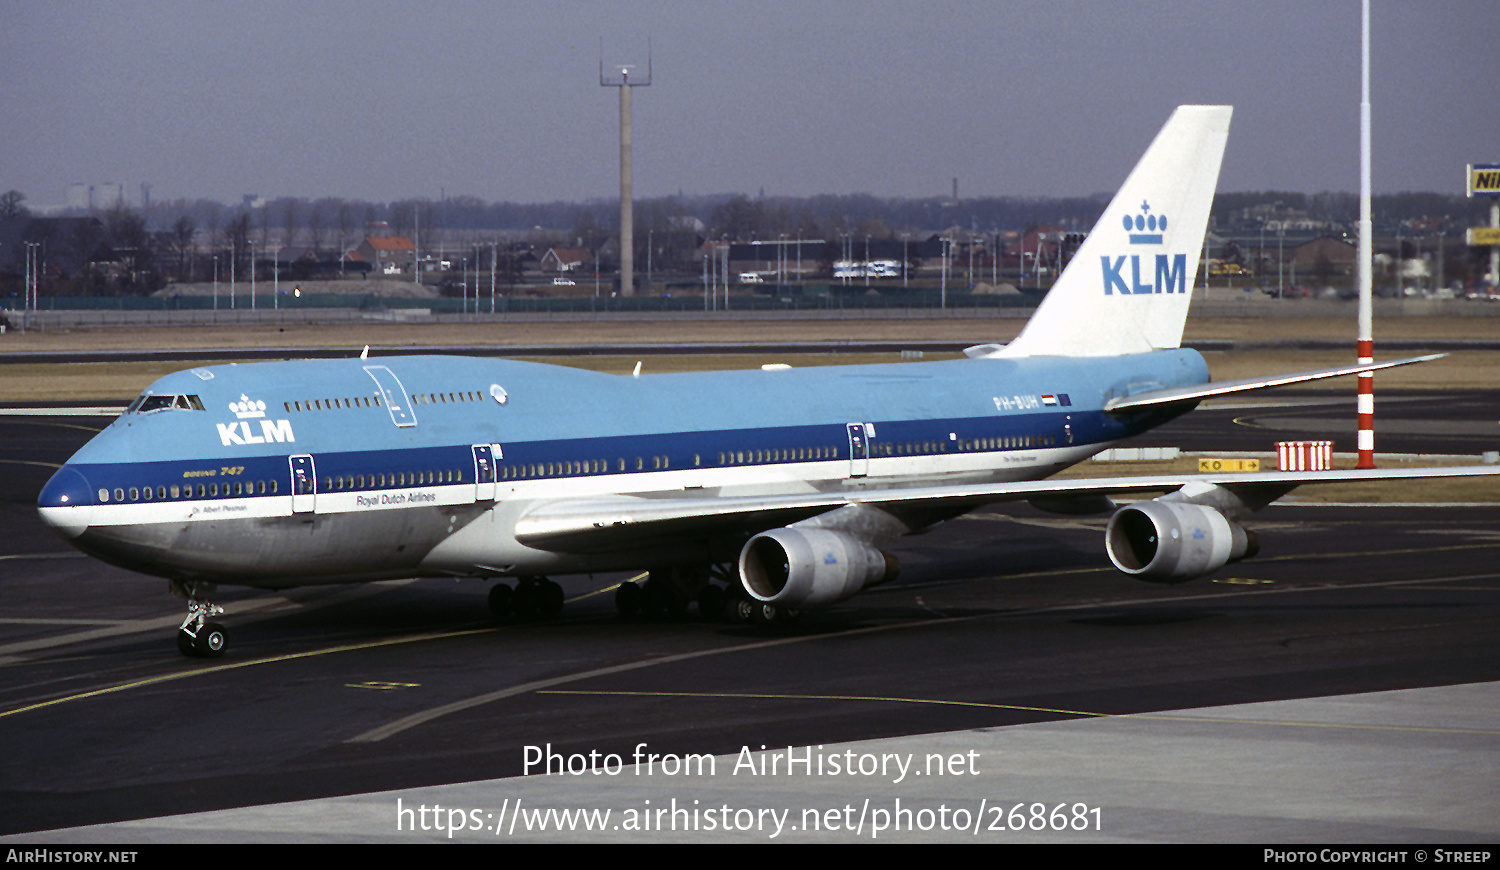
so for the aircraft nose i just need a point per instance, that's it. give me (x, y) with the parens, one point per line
(67, 502)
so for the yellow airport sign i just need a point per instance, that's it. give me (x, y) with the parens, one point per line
(1484, 179)
(1222, 465)
(1484, 235)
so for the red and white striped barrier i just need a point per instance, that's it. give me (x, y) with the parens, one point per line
(1304, 455)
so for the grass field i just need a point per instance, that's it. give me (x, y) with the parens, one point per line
(121, 381)
(1244, 330)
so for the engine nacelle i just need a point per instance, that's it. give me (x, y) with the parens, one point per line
(1172, 542)
(806, 568)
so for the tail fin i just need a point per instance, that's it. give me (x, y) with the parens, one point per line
(1127, 289)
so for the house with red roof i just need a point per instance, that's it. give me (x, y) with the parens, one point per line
(388, 255)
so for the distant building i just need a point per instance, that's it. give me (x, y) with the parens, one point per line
(95, 197)
(388, 255)
(1329, 250)
(565, 260)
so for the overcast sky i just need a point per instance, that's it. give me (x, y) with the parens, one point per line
(384, 100)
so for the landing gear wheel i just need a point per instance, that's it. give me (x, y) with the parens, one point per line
(653, 599)
(628, 600)
(549, 599)
(711, 602)
(500, 600)
(210, 641)
(197, 637)
(523, 604)
(663, 596)
(739, 610)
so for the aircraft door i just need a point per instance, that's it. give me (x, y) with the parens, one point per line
(485, 456)
(859, 449)
(304, 484)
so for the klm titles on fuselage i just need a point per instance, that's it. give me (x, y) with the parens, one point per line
(1170, 273)
(270, 431)
(239, 433)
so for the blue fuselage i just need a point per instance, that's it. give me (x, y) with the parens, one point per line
(278, 474)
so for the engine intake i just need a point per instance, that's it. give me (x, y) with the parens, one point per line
(1173, 542)
(807, 568)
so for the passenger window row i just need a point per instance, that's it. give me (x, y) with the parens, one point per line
(545, 469)
(188, 490)
(390, 479)
(332, 404)
(524, 471)
(1011, 442)
(788, 454)
(445, 398)
(908, 448)
(373, 401)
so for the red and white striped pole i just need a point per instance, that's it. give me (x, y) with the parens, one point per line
(1366, 346)
(1365, 407)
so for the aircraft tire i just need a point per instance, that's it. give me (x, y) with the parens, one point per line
(739, 610)
(500, 600)
(523, 604)
(211, 641)
(549, 599)
(185, 643)
(628, 600)
(653, 601)
(674, 603)
(711, 602)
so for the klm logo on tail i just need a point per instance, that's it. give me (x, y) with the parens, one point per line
(1170, 270)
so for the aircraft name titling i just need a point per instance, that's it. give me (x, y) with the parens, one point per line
(397, 498)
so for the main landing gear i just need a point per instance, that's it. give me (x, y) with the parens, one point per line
(198, 637)
(668, 592)
(532, 598)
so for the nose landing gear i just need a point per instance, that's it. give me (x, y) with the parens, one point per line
(198, 637)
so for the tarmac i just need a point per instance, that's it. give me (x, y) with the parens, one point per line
(1418, 767)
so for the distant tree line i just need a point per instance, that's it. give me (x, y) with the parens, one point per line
(129, 251)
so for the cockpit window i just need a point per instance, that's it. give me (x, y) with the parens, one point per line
(147, 403)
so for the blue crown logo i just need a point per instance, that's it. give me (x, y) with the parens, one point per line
(1145, 228)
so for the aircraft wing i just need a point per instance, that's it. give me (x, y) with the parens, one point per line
(1172, 395)
(624, 522)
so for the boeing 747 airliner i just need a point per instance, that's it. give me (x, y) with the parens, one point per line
(781, 483)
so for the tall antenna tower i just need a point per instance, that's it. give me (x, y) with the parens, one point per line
(624, 78)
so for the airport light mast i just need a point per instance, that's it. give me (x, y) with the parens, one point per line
(622, 80)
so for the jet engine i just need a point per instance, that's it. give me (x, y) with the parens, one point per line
(806, 568)
(1173, 541)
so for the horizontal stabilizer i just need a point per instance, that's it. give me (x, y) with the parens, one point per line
(1199, 392)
